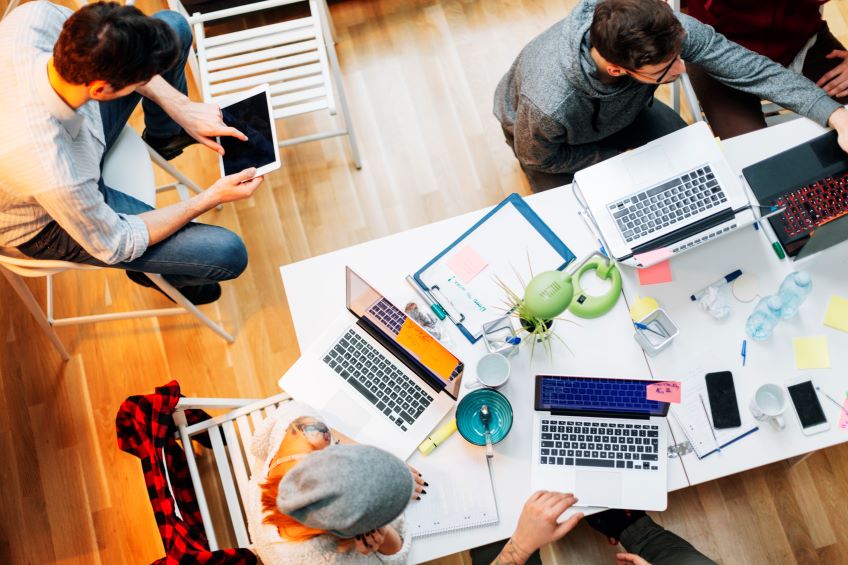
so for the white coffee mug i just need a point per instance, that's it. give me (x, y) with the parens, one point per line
(492, 371)
(768, 404)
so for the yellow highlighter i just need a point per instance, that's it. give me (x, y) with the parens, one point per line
(437, 438)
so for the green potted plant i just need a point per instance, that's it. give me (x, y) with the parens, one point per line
(546, 297)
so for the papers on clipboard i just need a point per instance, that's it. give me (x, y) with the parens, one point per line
(694, 417)
(463, 278)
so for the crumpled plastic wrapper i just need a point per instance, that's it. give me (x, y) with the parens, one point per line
(715, 302)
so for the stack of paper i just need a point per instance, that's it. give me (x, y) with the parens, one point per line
(460, 493)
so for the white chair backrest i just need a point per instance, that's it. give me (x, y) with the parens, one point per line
(233, 460)
(290, 56)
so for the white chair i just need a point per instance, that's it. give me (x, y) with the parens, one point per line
(127, 167)
(233, 459)
(296, 57)
(682, 87)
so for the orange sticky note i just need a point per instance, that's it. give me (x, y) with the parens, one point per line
(428, 350)
(668, 391)
(466, 264)
(658, 274)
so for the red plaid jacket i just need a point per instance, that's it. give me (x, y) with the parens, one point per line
(146, 429)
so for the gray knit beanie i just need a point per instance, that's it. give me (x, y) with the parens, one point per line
(347, 490)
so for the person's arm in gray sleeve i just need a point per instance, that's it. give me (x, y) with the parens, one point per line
(107, 235)
(744, 70)
(539, 143)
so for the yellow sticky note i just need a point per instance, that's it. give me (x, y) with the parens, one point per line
(811, 352)
(837, 313)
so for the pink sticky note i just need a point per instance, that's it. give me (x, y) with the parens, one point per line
(843, 417)
(466, 264)
(658, 274)
(654, 257)
(668, 391)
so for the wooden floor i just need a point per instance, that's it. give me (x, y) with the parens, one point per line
(420, 76)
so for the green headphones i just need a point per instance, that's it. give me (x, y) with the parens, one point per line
(550, 293)
(586, 305)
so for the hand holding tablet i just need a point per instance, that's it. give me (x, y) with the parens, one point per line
(250, 113)
(237, 186)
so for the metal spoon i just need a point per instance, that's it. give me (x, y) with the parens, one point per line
(485, 416)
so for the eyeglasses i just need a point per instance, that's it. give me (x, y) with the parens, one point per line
(314, 428)
(662, 73)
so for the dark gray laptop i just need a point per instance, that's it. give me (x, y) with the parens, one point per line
(811, 182)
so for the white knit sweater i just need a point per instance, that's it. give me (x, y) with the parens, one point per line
(267, 543)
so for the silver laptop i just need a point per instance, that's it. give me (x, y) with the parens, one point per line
(601, 439)
(376, 375)
(676, 192)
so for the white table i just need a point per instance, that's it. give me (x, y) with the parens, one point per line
(706, 345)
(315, 288)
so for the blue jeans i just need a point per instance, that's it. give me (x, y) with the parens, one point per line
(197, 253)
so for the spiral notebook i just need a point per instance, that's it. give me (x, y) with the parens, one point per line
(693, 415)
(460, 493)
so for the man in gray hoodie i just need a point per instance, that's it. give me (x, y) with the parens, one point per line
(583, 90)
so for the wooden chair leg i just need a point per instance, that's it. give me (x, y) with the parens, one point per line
(23, 291)
(178, 297)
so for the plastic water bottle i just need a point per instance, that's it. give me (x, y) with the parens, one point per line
(764, 318)
(794, 289)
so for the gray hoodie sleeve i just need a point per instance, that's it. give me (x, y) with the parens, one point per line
(540, 143)
(750, 72)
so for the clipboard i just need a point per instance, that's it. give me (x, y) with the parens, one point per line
(498, 246)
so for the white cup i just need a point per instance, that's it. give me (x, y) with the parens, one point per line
(492, 371)
(768, 404)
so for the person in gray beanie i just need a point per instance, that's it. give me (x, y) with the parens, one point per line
(348, 490)
(315, 497)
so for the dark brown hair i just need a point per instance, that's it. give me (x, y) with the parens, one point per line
(115, 43)
(635, 33)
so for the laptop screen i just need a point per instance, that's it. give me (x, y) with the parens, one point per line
(596, 396)
(397, 330)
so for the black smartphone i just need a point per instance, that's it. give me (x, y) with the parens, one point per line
(723, 404)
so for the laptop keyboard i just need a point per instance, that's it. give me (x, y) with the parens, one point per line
(376, 378)
(388, 314)
(599, 444)
(661, 206)
(813, 205)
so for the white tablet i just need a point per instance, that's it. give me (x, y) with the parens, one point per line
(250, 112)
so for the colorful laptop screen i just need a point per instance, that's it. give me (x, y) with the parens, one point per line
(596, 394)
(365, 302)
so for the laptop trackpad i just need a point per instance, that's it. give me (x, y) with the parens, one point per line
(350, 416)
(598, 488)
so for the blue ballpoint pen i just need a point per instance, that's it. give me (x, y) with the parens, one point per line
(640, 326)
(744, 351)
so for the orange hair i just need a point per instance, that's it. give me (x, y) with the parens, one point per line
(290, 529)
